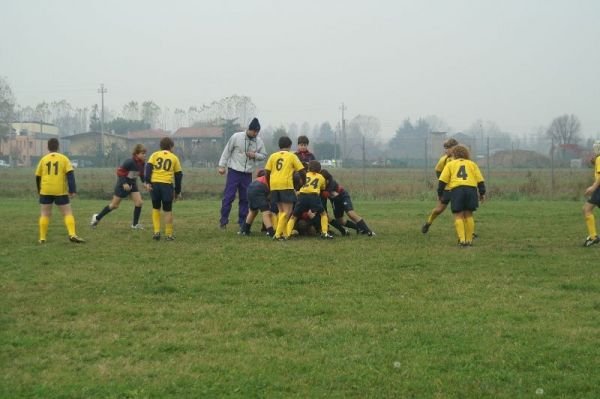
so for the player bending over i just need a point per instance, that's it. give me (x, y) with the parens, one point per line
(309, 199)
(258, 200)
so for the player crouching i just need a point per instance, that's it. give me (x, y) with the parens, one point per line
(258, 200)
(309, 199)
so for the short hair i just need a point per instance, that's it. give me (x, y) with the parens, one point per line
(314, 166)
(460, 152)
(138, 149)
(303, 140)
(450, 143)
(285, 142)
(166, 143)
(53, 145)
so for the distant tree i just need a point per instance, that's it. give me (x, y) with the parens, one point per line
(131, 111)
(95, 119)
(230, 126)
(293, 132)
(305, 129)
(122, 126)
(7, 108)
(279, 132)
(326, 134)
(150, 113)
(565, 129)
(326, 150)
(363, 126)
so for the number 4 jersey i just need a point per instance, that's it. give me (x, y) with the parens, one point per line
(52, 170)
(461, 172)
(164, 166)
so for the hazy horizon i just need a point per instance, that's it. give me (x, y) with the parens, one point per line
(518, 64)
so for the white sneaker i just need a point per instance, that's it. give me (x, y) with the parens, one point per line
(94, 221)
(137, 227)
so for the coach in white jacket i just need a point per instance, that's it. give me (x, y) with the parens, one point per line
(240, 157)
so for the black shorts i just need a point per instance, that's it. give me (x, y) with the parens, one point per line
(121, 193)
(308, 202)
(258, 201)
(342, 203)
(595, 198)
(54, 199)
(464, 198)
(162, 193)
(288, 196)
(445, 197)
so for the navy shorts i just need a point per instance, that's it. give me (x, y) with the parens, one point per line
(464, 198)
(342, 203)
(445, 197)
(308, 202)
(595, 198)
(162, 193)
(257, 201)
(283, 196)
(54, 199)
(121, 193)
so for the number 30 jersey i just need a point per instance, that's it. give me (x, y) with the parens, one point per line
(282, 165)
(164, 166)
(461, 172)
(53, 169)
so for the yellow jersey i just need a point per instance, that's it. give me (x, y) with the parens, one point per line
(164, 166)
(461, 172)
(315, 183)
(53, 169)
(439, 167)
(282, 165)
(597, 168)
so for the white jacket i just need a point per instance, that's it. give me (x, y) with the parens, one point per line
(234, 153)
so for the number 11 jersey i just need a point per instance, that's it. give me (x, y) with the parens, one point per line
(53, 169)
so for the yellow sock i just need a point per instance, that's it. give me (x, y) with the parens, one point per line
(156, 220)
(431, 218)
(290, 226)
(44, 222)
(274, 220)
(469, 228)
(459, 225)
(281, 226)
(70, 223)
(169, 229)
(324, 223)
(590, 221)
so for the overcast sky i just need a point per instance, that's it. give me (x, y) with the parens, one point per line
(519, 63)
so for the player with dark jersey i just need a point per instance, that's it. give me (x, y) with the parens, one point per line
(342, 203)
(463, 179)
(55, 180)
(127, 175)
(162, 171)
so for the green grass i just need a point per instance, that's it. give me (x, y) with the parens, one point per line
(216, 315)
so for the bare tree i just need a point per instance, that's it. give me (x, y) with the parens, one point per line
(565, 129)
(7, 108)
(131, 110)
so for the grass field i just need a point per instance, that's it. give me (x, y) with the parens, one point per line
(213, 314)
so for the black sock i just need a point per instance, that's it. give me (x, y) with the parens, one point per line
(271, 231)
(363, 226)
(137, 211)
(103, 212)
(338, 226)
(351, 224)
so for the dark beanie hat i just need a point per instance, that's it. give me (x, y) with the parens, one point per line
(254, 125)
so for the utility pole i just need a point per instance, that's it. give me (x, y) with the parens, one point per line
(102, 90)
(344, 152)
